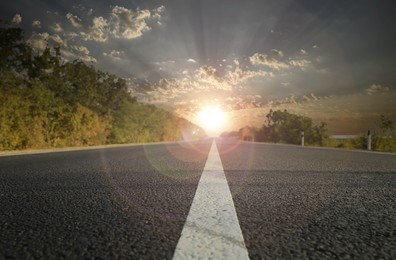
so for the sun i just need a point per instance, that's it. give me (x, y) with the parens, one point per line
(212, 119)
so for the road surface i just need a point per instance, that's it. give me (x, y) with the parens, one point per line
(133, 201)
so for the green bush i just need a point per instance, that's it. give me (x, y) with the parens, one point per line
(284, 127)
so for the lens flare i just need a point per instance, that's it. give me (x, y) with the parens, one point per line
(212, 119)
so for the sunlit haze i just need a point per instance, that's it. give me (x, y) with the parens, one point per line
(212, 119)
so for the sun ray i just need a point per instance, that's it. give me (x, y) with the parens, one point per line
(212, 119)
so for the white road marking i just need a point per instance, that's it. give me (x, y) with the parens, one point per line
(212, 229)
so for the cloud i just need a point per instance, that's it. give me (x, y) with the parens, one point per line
(98, 31)
(36, 24)
(129, 24)
(273, 61)
(74, 20)
(301, 63)
(165, 91)
(116, 55)
(277, 52)
(83, 9)
(238, 102)
(376, 88)
(263, 59)
(57, 40)
(157, 12)
(314, 97)
(17, 19)
(40, 41)
(82, 53)
(238, 75)
(121, 23)
(294, 100)
(209, 76)
(72, 35)
(57, 27)
(205, 79)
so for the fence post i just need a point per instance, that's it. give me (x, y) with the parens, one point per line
(302, 138)
(369, 140)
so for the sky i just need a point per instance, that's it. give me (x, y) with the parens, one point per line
(330, 60)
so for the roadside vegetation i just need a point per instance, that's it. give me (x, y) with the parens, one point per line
(383, 140)
(284, 127)
(48, 102)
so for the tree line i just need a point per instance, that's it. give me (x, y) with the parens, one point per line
(382, 139)
(48, 102)
(285, 127)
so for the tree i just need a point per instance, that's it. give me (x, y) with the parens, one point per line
(15, 53)
(47, 102)
(284, 127)
(385, 140)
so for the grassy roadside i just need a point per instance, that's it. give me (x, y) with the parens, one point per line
(379, 143)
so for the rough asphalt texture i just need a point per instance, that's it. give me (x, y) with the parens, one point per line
(107, 203)
(308, 203)
(132, 202)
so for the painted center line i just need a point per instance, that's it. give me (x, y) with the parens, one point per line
(212, 229)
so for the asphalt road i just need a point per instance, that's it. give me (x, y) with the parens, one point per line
(299, 202)
(133, 201)
(127, 202)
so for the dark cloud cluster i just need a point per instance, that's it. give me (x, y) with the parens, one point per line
(120, 23)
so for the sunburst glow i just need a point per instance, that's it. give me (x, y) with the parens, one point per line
(212, 119)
